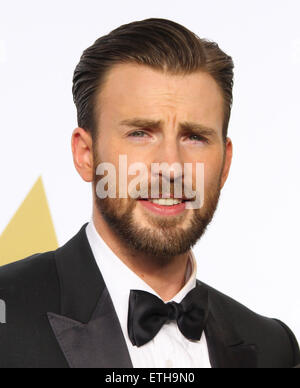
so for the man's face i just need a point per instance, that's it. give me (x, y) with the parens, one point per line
(135, 92)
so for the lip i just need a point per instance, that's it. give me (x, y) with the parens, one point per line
(164, 210)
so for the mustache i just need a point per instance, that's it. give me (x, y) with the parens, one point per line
(159, 183)
(146, 191)
(160, 187)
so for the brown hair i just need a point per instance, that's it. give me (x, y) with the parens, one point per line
(159, 43)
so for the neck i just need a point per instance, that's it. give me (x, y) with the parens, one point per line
(166, 278)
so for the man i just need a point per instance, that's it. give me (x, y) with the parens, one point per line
(123, 292)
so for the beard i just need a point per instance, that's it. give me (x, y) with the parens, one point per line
(165, 237)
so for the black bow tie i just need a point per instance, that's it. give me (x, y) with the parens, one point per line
(147, 314)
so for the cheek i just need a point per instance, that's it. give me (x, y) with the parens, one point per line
(212, 170)
(106, 150)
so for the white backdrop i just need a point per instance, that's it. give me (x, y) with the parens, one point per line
(251, 250)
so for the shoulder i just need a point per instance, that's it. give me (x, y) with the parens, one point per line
(29, 286)
(269, 334)
(245, 318)
(29, 290)
(32, 271)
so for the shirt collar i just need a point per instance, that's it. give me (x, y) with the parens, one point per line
(120, 279)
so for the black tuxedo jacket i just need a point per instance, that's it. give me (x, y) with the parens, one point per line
(60, 315)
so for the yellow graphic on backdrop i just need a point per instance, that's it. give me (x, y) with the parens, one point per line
(31, 230)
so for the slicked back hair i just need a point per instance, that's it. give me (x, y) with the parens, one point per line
(158, 43)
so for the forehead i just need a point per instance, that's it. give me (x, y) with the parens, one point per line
(133, 89)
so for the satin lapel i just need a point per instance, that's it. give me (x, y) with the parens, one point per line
(226, 348)
(97, 344)
(87, 329)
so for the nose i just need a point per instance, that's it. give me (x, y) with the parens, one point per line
(168, 153)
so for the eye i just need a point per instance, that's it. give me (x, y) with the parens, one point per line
(137, 134)
(197, 138)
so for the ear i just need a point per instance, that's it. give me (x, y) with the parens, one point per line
(227, 161)
(82, 149)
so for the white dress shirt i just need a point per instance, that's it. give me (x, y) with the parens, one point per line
(169, 348)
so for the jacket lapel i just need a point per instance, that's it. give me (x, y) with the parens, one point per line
(97, 344)
(88, 330)
(226, 347)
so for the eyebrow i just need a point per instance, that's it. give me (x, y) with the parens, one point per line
(158, 124)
